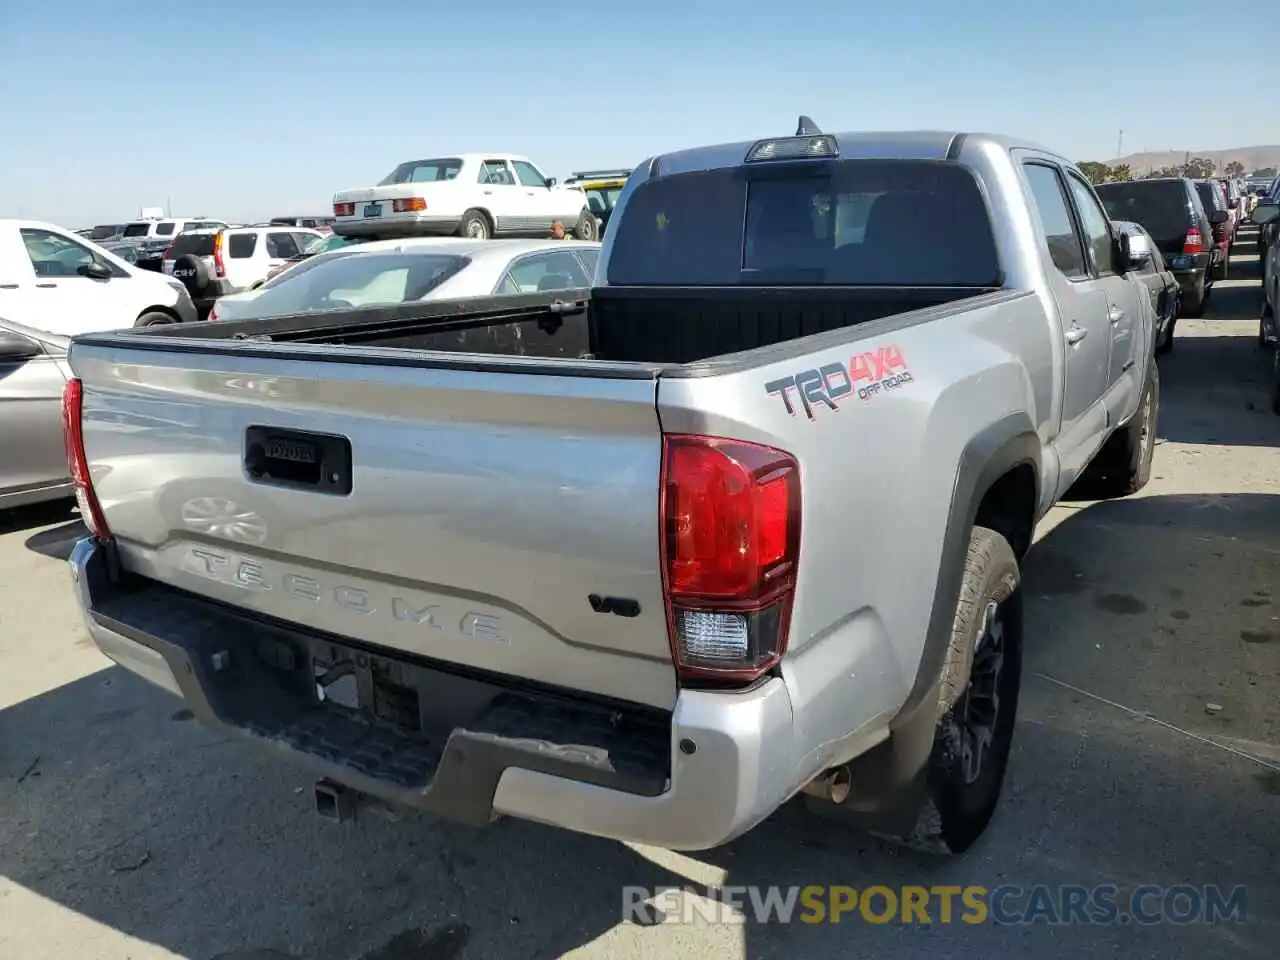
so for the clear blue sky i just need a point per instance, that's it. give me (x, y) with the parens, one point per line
(247, 109)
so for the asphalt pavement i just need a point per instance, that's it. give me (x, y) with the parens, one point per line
(1148, 753)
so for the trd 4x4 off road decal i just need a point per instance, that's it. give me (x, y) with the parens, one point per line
(868, 375)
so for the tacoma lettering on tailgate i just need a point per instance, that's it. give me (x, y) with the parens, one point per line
(869, 374)
(255, 575)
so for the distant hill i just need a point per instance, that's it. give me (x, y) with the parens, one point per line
(1253, 158)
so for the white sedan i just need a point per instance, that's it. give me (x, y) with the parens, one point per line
(385, 272)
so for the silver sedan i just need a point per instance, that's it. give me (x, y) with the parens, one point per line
(33, 371)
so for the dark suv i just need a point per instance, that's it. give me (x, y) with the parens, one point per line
(1171, 211)
(1214, 197)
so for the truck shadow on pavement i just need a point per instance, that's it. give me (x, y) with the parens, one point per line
(1146, 753)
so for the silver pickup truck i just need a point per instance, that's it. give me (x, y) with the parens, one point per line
(740, 524)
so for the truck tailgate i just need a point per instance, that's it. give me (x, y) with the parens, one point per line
(484, 508)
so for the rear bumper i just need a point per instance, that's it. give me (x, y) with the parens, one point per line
(397, 225)
(1191, 282)
(689, 780)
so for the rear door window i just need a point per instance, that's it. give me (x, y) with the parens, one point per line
(242, 245)
(281, 246)
(357, 280)
(851, 223)
(165, 229)
(134, 230)
(555, 270)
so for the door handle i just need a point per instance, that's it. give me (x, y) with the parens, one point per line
(1076, 334)
(47, 286)
(488, 193)
(1115, 314)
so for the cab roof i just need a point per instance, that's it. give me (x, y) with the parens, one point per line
(853, 144)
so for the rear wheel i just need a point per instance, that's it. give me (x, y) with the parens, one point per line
(974, 737)
(475, 225)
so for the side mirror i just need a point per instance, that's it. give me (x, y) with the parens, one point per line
(1268, 211)
(1218, 217)
(15, 348)
(551, 182)
(95, 271)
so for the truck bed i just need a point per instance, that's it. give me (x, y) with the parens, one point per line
(633, 325)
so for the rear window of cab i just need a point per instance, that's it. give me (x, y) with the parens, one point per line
(843, 223)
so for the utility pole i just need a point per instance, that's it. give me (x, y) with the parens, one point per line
(1120, 145)
(168, 206)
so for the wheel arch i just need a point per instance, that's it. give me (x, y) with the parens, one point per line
(996, 484)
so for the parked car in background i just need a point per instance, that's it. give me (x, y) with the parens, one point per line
(54, 281)
(214, 263)
(1214, 199)
(103, 232)
(1268, 231)
(125, 251)
(323, 224)
(314, 248)
(33, 459)
(602, 188)
(1267, 214)
(476, 195)
(1235, 203)
(1170, 210)
(150, 238)
(399, 271)
(1161, 284)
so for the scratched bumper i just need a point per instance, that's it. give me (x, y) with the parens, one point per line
(465, 747)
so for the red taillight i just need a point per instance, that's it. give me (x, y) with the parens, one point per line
(213, 313)
(344, 209)
(1194, 242)
(168, 252)
(219, 265)
(77, 462)
(730, 543)
(408, 205)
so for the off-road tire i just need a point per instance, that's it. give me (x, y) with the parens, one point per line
(984, 666)
(1262, 326)
(1123, 465)
(475, 224)
(587, 227)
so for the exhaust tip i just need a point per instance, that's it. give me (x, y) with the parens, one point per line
(840, 784)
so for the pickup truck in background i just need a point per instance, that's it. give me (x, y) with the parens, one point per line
(741, 523)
